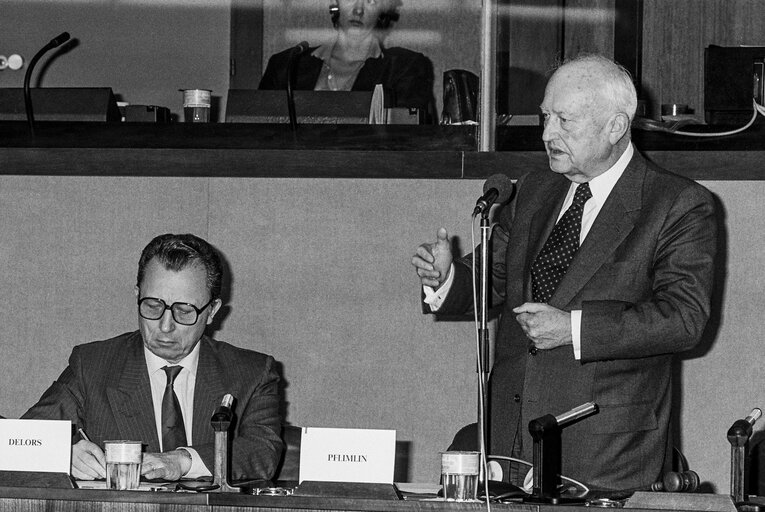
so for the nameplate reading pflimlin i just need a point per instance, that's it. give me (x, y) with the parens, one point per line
(347, 455)
(35, 445)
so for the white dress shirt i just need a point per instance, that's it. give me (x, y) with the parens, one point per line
(601, 187)
(184, 389)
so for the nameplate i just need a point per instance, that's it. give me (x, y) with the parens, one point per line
(347, 455)
(35, 445)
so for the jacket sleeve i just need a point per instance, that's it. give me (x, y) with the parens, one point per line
(65, 398)
(674, 313)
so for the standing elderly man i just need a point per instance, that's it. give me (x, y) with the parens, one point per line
(161, 384)
(604, 270)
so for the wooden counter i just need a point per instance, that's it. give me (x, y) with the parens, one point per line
(335, 151)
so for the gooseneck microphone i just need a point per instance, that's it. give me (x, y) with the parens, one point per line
(54, 43)
(738, 436)
(497, 189)
(294, 53)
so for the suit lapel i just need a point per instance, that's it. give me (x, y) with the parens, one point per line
(614, 222)
(309, 71)
(370, 74)
(130, 400)
(208, 392)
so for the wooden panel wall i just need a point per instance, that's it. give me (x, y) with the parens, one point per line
(246, 43)
(675, 35)
(537, 35)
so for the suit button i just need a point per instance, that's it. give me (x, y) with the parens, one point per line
(533, 350)
(517, 398)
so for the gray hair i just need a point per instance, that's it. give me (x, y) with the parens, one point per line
(617, 86)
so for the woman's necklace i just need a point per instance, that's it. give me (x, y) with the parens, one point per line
(342, 75)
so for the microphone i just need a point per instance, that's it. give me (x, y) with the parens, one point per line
(302, 47)
(576, 413)
(497, 189)
(58, 40)
(738, 436)
(223, 415)
(221, 421)
(55, 42)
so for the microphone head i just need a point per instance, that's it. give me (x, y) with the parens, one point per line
(59, 40)
(502, 184)
(302, 47)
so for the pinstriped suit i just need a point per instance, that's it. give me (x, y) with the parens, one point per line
(643, 281)
(105, 390)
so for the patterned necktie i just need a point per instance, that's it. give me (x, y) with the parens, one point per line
(559, 249)
(173, 429)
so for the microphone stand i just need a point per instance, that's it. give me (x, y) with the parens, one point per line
(546, 433)
(57, 41)
(299, 49)
(483, 346)
(221, 421)
(291, 96)
(738, 437)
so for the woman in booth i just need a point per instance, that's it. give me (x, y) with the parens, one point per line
(357, 60)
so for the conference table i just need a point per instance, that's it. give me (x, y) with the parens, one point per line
(50, 500)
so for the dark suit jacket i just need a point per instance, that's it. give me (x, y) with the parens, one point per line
(407, 74)
(106, 391)
(643, 280)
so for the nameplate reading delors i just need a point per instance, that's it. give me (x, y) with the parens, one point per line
(35, 445)
(347, 455)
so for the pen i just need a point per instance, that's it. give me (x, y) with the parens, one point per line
(83, 434)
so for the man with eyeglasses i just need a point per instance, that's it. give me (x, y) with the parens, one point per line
(161, 384)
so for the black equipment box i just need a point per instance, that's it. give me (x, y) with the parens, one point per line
(733, 77)
(94, 104)
(147, 114)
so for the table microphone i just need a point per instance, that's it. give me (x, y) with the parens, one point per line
(295, 52)
(55, 42)
(221, 421)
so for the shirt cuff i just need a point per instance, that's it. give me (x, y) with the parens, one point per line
(436, 298)
(198, 468)
(576, 333)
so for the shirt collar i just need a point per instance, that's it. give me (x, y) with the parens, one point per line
(601, 185)
(324, 51)
(154, 363)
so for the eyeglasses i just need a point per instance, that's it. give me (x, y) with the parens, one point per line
(183, 312)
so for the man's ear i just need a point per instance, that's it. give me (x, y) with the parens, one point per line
(214, 307)
(620, 124)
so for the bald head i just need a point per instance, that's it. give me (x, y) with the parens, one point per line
(609, 84)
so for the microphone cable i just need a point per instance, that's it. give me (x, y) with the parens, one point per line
(653, 125)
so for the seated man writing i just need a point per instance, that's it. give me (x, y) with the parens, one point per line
(161, 384)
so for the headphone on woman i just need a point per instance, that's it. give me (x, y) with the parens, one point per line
(383, 21)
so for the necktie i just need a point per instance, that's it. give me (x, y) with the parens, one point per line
(173, 429)
(559, 249)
